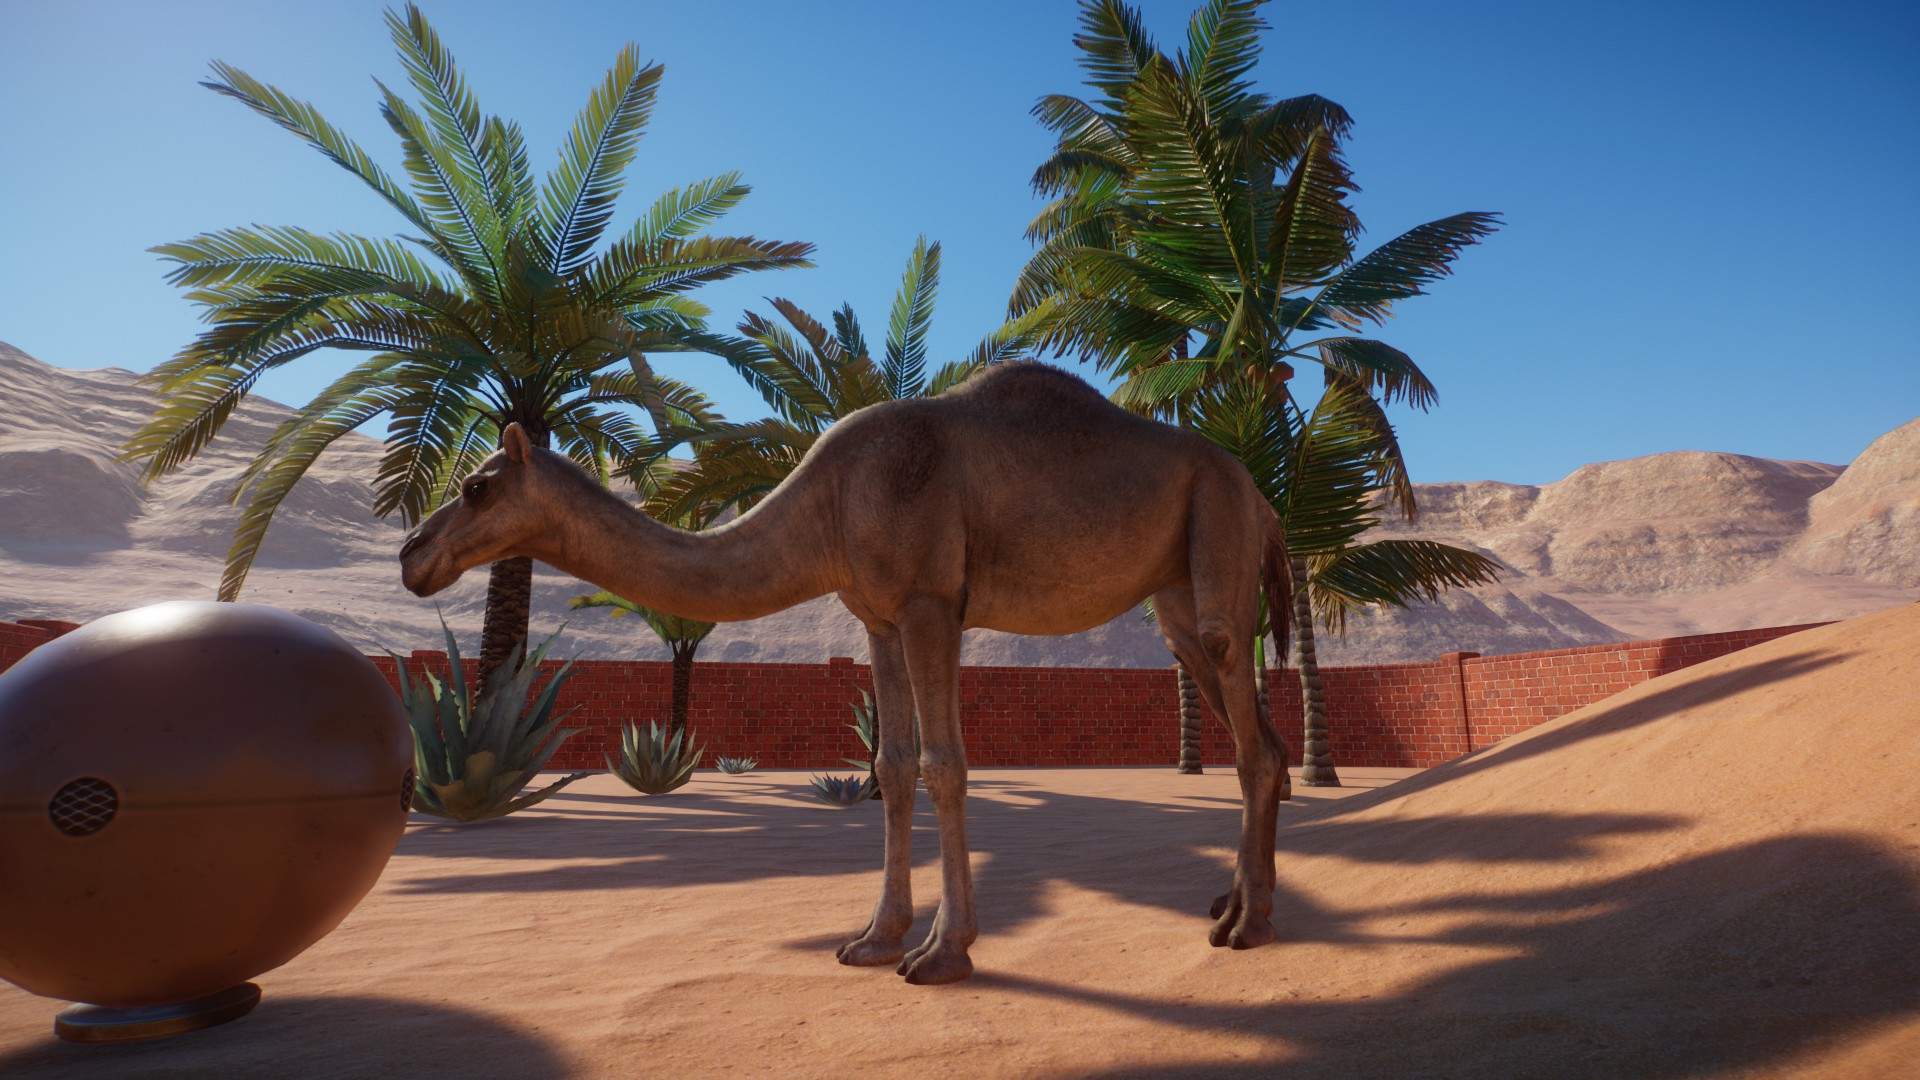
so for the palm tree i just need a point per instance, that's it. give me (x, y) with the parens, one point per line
(1327, 472)
(1189, 720)
(812, 377)
(1196, 227)
(682, 638)
(496, 305)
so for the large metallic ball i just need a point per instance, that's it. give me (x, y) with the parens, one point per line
(190, 794)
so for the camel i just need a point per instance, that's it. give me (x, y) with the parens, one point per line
(1021, 500)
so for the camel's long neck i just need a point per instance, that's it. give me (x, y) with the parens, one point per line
(781, 553)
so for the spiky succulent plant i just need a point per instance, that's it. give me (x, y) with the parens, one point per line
(472, 757)
(652, 763)
(843, 790)
(866, 722)
(735, 765)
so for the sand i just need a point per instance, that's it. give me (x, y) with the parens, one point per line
(1716, 873)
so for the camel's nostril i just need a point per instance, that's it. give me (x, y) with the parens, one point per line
(412, 545)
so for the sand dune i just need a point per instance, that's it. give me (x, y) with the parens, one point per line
(1716, 873)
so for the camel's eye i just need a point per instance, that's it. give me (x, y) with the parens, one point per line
(475, 489)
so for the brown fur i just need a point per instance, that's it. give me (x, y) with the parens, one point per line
(1021, 501)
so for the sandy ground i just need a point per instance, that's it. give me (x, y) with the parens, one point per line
(1716, 873)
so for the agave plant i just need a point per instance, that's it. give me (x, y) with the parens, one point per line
(734, 766)
(843, 790)
(472, 756)
(655, 763)
(866, 721)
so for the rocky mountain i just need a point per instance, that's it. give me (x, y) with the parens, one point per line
(1675, 543)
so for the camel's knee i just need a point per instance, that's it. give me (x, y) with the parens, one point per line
(1216, 640)
(896, 769)
(942, 773)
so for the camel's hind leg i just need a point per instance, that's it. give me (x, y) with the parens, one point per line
(884, 940)
(1220, 656)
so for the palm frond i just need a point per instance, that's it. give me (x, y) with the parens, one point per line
(903, 371)
(290, 451)
(1330, 474)
(1400, 267)
(1223, 42)
(1313, 227)
(680, 213)
(576, 200)
(437, 408)
(1114, 47)
(630, 274)
(450, 105)
(1391, 572)
(1377, 367)
(260, 253)
(305, 121)
(451, 191)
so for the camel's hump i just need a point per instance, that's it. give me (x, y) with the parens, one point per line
(1028, 381)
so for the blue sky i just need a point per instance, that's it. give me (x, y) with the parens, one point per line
(1710, 208)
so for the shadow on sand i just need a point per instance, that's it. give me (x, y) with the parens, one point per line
(1652, 975)
(307, 1036)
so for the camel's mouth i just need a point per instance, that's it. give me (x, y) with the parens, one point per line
(424, 569)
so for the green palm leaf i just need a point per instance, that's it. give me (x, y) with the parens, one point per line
(450, 105)
(1313, 229)
(1400, 267)
(290, 452)
(1114, 45)
(1391, 572)
(576, 201)
(1223, 44)
(1376, 366)
(452, 192)
(903, 372)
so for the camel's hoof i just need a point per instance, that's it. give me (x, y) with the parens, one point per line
(1239, 926)
(935, 966)
(1252, 932)
(868, 952)
(1219, 907)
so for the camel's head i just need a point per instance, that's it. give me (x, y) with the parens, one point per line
(499, 515)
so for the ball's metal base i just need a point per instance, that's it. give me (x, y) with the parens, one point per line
(103, 1024)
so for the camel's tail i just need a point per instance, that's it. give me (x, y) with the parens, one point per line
(1276, 573)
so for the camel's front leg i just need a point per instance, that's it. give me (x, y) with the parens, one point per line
(898, 770)
(931, 635)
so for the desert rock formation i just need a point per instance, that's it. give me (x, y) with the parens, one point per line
(1677, 543)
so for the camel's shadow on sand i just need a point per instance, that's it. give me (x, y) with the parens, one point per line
(1635, 986)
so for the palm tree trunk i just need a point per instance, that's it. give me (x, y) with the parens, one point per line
(1189, 720)
(503, 634)
(1316, 758)
(682, 687)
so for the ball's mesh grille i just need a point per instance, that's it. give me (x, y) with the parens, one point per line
(84, 806)
(406, 792)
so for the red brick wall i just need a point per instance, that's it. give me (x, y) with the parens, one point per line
(794, 715)
(19, 639)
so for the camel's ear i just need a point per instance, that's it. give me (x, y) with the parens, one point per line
(515, 442)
